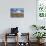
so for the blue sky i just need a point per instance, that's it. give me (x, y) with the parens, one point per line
(17, 9)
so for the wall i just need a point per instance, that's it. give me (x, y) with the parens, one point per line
(24, 24)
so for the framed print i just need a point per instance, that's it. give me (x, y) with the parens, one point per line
(17, 12)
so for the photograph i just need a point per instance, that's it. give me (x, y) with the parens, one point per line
(17, 12)
(22, 22)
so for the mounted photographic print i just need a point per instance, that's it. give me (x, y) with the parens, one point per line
(17, 12)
